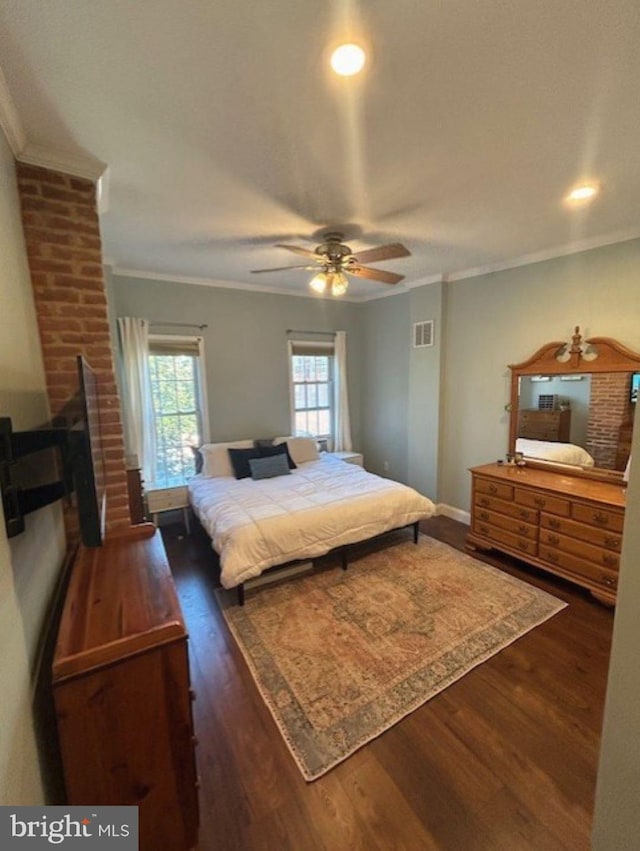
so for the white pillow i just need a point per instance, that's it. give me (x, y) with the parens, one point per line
(215, 458)
(301, 449)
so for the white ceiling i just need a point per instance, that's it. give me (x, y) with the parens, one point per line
(225, 132)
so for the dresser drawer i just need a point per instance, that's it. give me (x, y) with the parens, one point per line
(599, 556)
(514, 542)
(492, 503)
(601, 518)
(579, 567)
(492, 488)
(599, 537)
(509, 524)
(535, 499)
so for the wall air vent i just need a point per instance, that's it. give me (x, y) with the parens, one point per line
(423, 334)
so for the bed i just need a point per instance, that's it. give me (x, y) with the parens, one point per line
(548, 450)
(320, 504)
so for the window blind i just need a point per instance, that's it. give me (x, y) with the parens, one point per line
(174, 346)
(302, 347)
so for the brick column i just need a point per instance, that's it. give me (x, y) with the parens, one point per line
(608, 410)
(64, 250)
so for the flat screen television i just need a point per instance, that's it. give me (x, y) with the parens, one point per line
(635, 384)
(87, 459)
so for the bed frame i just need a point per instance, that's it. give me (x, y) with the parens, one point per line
(343, 557)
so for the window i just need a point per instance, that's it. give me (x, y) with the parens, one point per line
(176, 367)
(312, 389)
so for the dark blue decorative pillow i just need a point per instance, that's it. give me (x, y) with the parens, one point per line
(269, 467)
(259, 442)
(280, 449)
(240, 461)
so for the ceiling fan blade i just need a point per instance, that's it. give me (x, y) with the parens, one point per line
(383, 252)
(284, 269)
(297, 250)
(374, 274)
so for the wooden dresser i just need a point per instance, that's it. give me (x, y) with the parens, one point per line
(568, 525)
(121, 689)
(545, 425)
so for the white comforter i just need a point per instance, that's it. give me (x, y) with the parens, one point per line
(548, 450)
(321, 505)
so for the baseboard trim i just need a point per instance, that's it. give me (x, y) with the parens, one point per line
(454, 513)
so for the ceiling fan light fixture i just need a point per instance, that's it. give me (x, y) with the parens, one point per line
(339, 284)
(348, 59)
(319, 282)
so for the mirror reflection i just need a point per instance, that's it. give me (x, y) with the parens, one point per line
(583, 419)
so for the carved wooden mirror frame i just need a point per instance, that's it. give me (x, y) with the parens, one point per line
(594, 355)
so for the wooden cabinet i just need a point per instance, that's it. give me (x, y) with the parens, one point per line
(565, 524)
(134, 493)
(121, 689)
(545, 425)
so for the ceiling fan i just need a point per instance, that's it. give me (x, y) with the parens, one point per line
(333, 261)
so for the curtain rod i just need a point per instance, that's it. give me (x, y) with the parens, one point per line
(179, 325)
(301, 331)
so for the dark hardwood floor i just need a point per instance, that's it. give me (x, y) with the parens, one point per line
(505, 758)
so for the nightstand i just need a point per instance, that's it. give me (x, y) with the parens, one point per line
(168, 499)
(349, 457)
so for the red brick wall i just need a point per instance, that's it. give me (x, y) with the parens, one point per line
(64, 251)
(608, 409)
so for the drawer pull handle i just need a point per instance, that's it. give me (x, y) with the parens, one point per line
(523, 545)
(484, 502)
(493, 489)
(524, 514)
(523, 529)
(600, 518)
(484, 530)
(554, 524)
(554, 540)
(551, 556)
(610, 561)
(614, 543)
(540, 501)
(609, 580)
(483, 515)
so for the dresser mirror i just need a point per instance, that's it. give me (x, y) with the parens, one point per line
(574, 404)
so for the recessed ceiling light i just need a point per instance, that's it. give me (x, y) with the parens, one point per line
(583, 193)
(348, 59)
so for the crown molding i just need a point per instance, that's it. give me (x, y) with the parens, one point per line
(118, 271)
(77, 165)
(524, 260)
(10, 120)
(548, 254)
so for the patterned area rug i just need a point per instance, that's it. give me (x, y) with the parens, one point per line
(340, 657)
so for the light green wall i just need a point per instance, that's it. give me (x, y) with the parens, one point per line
(502, 318)
(617, 807)
(401, 388)
(424, 392)
(245, 347)
(30, 563)
(385, 385)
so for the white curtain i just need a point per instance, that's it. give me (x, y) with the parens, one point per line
(139, 422)
(342, 425)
